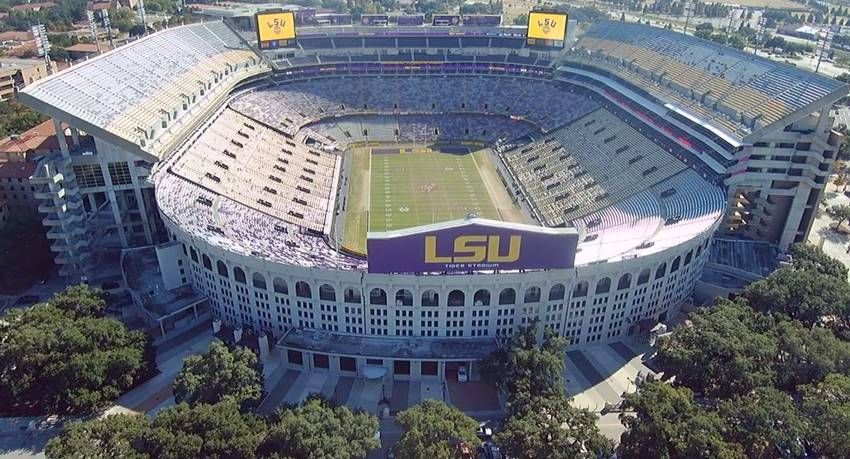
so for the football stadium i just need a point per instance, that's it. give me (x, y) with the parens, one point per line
(394, 193)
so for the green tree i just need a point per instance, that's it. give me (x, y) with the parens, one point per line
(807, 354)
(208, 431)
(53, 360)
(525, 369)
(317, 429)
(803, 294)
(220, 374)
(106, 438)
(807, 256)
(721, 352)
(552, 428)
(522, 19)
(79, 301)
(666, 423)
(840, 213)
(764, 420)
(827, 405)
(432, 429)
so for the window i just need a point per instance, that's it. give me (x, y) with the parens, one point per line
(580, 289)
(321, 361)
(89, 175)
(428, 368)
(280, 286)
(378, 296)
(403, 297)
(625, 282)
(557, 292)
(259, 281)
(532, 295)
(481, 298)
(456, 298)
(603, 286)
(507, 296)
(347, 363)
(119, 173)
(239, 275)
(430, 298)
(302, 290)
(327, 293)
(352, 295)
(295, 357)
(401, 367)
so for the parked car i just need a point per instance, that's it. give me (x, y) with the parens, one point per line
(462, 374)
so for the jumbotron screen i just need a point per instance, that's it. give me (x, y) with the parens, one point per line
(547, 28)
(275, 28)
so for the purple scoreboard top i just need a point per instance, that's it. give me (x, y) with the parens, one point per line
(474, 244)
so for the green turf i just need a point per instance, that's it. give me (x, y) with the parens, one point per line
(424, 187)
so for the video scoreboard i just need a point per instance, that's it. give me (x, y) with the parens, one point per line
(547, 28)
(274, 28)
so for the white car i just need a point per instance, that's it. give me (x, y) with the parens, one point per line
(462, 374)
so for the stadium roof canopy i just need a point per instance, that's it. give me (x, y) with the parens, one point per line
(145, 97)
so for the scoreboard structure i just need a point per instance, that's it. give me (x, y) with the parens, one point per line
(547, 28)
(275, 28)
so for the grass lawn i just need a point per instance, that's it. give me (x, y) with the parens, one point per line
(393, 188)
(422, 187)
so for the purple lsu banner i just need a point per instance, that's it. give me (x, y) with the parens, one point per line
(471, 245)
(408, 19)
(482, 20)
(445, 20)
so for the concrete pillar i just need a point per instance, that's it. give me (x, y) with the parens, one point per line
(92, 202)
(60, 136)
(75, 136)
(113, 202)
(143, 211)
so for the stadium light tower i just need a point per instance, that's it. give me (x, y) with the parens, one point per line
(762, 23)
(42, 45)
(104, 15)
(824, 44)
(93, 29)
(689, 7)
(140, 8)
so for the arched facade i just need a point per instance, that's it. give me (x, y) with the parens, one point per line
(460, 305)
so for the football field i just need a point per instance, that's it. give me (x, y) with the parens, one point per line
(419, 186)
(397, 187)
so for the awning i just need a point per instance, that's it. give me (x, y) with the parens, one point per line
(373, 371)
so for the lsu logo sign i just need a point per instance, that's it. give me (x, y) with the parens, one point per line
(474, 249)
(275, 26)
(474, 244)
(547, 26)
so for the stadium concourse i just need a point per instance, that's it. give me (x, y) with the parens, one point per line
(238, 170)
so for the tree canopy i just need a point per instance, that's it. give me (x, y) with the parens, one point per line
(524, 369)
(806, 256)
(62, 357)
(318, 429)
(772, 369)
(763, 420)
(550, 427)
(222, 430)
(828, 405)
(668, 424)
(721, 353)
(432, 430)
(220, 374)
(106, 438)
